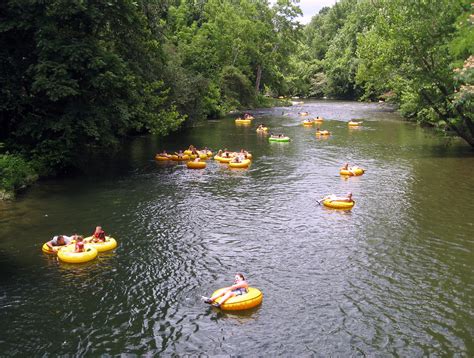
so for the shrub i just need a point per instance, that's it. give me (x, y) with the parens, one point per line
(15, 174)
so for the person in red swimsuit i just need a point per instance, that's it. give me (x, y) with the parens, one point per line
(98, 235)
(79, 244)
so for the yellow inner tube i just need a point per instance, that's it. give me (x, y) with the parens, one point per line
(336, 204)
(223, 159)
(263, 129)
(252, 298)
(179, 159)
(352, 171)
(52, 251)
(318, 120)
(323, 133)
(67, 254)
(196, 165)
(108, 244)
(188, 152)
(308, 123)
(161, 158)
(243, 121)
(354, 124)
(244, 164)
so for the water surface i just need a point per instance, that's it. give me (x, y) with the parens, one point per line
(392, 277)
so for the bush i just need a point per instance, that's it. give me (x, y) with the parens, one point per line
(15, 174)
(236, 87)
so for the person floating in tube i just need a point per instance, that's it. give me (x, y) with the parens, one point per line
(332, 197)
(240, 287)
(98, 235)
(60, 240)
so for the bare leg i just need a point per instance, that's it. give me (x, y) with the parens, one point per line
(220, 294)
(227, 295)
(215, 297)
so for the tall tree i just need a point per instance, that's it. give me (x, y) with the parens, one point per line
(77, 76)
(408, 51)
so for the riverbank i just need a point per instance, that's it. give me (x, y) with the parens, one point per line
(15, 174)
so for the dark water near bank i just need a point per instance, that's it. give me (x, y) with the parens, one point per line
(393, 277)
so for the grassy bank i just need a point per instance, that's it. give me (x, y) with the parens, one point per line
(15, 174)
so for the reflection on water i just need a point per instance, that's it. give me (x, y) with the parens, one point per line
(236, 317)
(392, 276)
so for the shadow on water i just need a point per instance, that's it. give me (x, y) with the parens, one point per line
(239, 317)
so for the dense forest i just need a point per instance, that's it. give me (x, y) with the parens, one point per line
(77, 76)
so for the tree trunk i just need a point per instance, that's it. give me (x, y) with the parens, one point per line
(257, 80)
(464, 129)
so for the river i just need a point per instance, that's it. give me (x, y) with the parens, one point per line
(392, 277)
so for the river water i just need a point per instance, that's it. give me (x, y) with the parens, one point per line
(392, 277)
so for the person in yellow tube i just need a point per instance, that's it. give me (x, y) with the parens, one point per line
(240, 287)
(60, 240)
(332, 197)
(346, 167)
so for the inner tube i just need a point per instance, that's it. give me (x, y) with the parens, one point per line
(279, 139)
(317, 120)
(180, 159)
(108, 244)
(196, 165)
(243, 121)
(67, 254)
(307, 123)
(244, 164)
(336, 204)
(203, 155)
(223, 159)
(161, 158)
(263, 129)
(323, 133)
(353, 171)
(188, 152)
(51, 250)
(354, 124)
(251, 299)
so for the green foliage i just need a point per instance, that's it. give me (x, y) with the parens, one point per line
(411, 49)
(340, 62)
(222, 53)
(462, 44)
(325, 63)
(236, 87)
(78, 77)
(15, 173)
(212, 102)
(418, 54)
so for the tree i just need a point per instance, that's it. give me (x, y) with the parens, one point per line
(408, 51)
(82, 76)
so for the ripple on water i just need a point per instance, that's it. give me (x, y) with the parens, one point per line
(392, 275)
